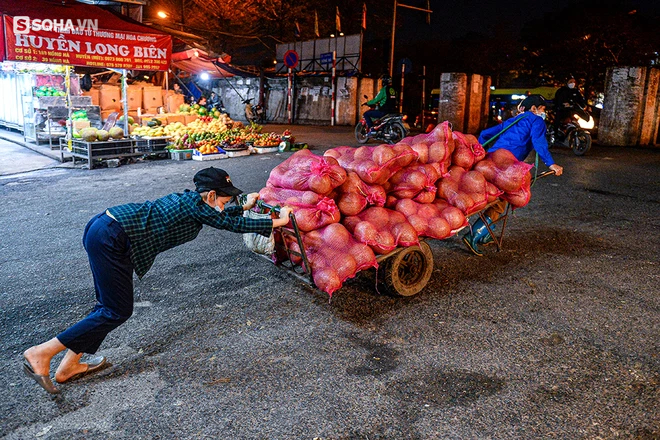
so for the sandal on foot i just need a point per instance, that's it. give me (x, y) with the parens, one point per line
(42, 380)
(93, 365)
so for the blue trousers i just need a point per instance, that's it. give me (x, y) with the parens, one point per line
(108, 250)
(371, 115)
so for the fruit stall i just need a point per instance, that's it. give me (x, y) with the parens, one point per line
(83, 36)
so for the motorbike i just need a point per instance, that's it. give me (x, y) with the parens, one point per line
(573, 131)
(254, 114)
(390, 128)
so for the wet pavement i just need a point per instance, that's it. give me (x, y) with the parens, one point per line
(556, 336)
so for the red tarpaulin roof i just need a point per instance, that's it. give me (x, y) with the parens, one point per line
(197, 61)
(118, 42)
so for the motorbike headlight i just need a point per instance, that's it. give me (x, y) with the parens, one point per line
(587, 125)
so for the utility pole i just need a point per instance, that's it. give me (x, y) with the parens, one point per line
(397, 4)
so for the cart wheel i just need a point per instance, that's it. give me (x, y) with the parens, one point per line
(407, 272)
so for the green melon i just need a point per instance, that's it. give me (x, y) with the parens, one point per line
(102, 135)
(116, 133)
(88, 134)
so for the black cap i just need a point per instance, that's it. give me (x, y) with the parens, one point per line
(217, 180)
(536, 100)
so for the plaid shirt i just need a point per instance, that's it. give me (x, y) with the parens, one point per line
(154, 227)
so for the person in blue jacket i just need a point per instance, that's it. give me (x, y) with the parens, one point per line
(524, 133)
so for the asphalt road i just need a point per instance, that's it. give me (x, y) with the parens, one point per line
(556, 336)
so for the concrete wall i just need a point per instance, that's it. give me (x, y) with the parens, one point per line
(452, 98)
(464, 101)
(631, 109)
(312, 98)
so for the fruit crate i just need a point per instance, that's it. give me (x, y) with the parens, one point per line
(152, 144)
(100, 150)
(181, 154)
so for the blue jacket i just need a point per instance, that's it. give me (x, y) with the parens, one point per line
(522, 138)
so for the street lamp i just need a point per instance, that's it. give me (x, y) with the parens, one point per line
(162, 14)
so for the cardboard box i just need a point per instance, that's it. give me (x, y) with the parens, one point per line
(95, 94)
(80, 124)
(148, 117)
(174, 101)
(190, 118)
(152, 97)
(134, 95)
(110, 97)
(176, 117)
(106, 113)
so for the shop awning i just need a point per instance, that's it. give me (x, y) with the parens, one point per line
(197, 61)
(79, 34)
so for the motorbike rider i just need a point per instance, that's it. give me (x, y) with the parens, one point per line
(565, 101)
(385, 101)
(527, 134)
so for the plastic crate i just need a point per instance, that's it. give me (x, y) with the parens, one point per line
(181, 154)
(102, 149)
(152, 145)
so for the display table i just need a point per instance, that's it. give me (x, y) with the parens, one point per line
(100, 150)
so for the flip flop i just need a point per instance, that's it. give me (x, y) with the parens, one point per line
(43, 381)
(93, 365)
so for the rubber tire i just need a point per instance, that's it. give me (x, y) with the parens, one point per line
(398, 280)
(400, 132)
(361, 134)
(580, 142)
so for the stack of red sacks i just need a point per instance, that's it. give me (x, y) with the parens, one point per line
(354, 203)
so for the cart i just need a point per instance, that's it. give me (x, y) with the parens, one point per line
(403, 272)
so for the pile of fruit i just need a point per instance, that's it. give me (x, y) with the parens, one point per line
(91, 134)
(218, 133)
(48, 91)
(197, 109)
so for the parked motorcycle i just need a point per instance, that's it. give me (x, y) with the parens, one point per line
(390, 128)
(254, 114)
(573, 132)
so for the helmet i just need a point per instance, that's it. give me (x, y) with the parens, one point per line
(386, 80)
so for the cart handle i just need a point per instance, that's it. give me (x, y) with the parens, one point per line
(543, 174)
(265, 205)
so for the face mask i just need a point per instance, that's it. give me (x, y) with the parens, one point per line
(571, 85)
(219, 209)
(541, 115)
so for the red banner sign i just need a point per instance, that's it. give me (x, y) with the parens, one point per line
(86, 46)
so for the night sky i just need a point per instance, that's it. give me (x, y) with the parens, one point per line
(454, 18)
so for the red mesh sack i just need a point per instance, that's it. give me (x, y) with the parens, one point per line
(468, 151)
(306, 171)
(492, 192)
(465, 190)
(312, 210)
(434, 148)
(502, 169)
(374, 165)
(508, 174)
(382, 229)
(414, 182)
(452, 214)
(522, 196)
(353, 196)
(426, 218)
(333, 255)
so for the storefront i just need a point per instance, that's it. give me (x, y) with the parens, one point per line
(42, 40)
